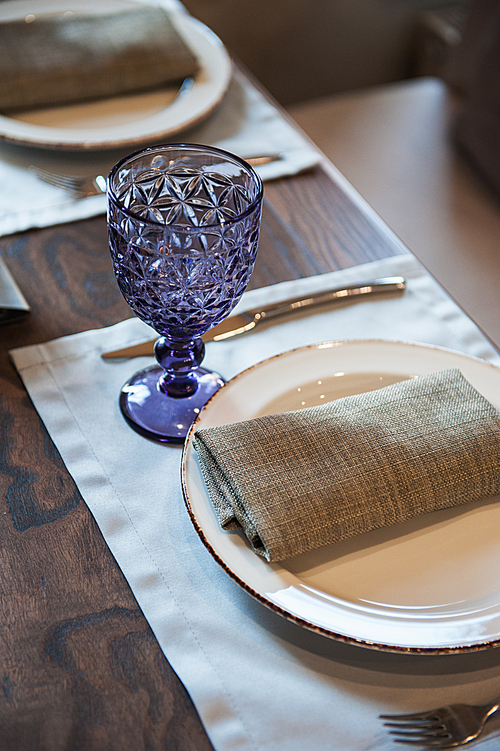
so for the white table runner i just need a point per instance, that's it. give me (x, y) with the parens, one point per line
(244, 123)
(258, 681)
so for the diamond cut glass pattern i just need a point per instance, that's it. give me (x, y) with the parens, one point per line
(183, 226)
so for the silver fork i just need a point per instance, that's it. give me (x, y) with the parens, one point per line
(81, 186)
(85, 186)
(445, 727)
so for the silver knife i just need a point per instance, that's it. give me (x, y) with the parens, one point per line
(244, 322)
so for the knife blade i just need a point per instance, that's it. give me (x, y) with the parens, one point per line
(241, 323)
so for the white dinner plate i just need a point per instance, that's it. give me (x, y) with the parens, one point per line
(126, 120)
(431, 584)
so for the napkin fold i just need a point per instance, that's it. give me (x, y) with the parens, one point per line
(300, 480)
(61, 58)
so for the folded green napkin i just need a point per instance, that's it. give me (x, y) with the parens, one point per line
(54, 59)
(299, 480)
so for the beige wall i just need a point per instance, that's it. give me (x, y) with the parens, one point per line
(301, 49)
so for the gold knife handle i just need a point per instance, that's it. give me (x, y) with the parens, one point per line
(369, 287)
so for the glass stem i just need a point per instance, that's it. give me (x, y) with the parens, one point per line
(179, 359)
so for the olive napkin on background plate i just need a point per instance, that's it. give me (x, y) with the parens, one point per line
(62, 58)
(299, 480)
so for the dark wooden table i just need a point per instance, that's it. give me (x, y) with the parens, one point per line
(80, 667)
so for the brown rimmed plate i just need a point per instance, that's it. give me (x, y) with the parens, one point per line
(428, 585)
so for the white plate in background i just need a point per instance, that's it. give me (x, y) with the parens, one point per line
(126, 120)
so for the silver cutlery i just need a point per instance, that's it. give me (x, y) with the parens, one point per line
(241, 323)
(81, 185)
(446, 727)
(84, 186)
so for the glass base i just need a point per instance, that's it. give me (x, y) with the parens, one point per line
(162, 418)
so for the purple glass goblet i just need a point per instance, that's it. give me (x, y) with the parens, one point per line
(183, 224)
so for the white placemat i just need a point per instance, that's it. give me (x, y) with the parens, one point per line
(244, 123)
(258, 681)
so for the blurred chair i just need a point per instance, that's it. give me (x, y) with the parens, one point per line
(396, 145)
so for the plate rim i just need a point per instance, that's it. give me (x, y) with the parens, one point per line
(44, 140)
(334, 635)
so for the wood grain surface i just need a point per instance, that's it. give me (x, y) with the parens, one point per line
(79, 665)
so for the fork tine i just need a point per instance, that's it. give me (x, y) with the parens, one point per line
(427, 733)
(423, 716)
(67, 182)
(423, 725)
(62, 181)
(411, 736)
(430, 743)
(427, 739)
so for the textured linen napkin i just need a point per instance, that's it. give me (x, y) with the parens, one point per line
(61, 58)
(298, 480)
